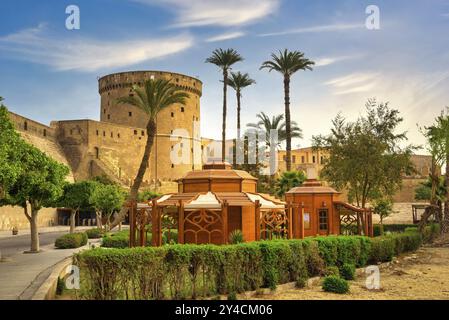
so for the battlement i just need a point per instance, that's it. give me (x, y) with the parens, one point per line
(128, 79)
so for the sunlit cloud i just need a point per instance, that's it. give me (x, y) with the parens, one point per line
(326, 61)
(86, 54)
(315, 29)
(226, 36)
(197, 13)
(353, 83)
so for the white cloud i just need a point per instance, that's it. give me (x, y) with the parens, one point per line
(85, 54)
(226, 36)
(354, 83)
(197, 13)
(315, 29)
(326, 61)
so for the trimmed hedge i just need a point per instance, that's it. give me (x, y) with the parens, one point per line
(335, 284)
(95, 233)
(190, 271)
(71, 240)
(120, 240)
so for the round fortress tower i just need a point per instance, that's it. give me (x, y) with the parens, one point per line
(114, 86)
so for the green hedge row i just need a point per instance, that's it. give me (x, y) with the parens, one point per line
(121, 239)
(184, 271)
(71, 240)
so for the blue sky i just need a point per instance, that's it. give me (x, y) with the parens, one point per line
(50, 73)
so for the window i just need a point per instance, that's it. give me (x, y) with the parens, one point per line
(172, 114)
(97, 152)
(313, 159)
(104, 133)
(172, 165)
(322, 219)
(142, 133)
(112, 135)
(97, 133)
(25, 126)
(104, 110)
(45, 132)
(306, 219)
(294, 159)
(130, 114)
(285, 158)
(135, 132)
(71, 131)
(109, 116)
(322, 160)
(182, 109)
(303, 159)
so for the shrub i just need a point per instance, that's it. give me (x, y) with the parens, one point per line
(236, 236)
(391, 228)
(301, 282)
(430, 233)
(183, 271)
(332, 271)
(95, 233)
(60, 286)
(347, 271)
(71, 240)
(232, 295)
(335, 284)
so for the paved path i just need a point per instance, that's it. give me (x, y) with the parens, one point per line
(18, 244)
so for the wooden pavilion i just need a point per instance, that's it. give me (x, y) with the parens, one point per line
(214, 202)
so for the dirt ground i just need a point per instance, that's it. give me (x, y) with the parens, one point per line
(421, 275)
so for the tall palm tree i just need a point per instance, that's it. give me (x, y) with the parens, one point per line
(238, 81)
(265, 125)
(288, 63)
(155, 96)
(224, 59)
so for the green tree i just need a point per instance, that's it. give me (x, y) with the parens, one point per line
(289, 180)
(77, 196)
(40, 184)
(155, 96)
(224, 59)
(438, 139)
(10, 141)
(365, 156)
(265, 125)
(239, 81)
(107, 199)
(384, 208)
(288, 63)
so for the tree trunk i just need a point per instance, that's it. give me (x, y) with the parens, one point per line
(238, 112)
(223, 130)
(35, 247)
(98, 218)
(151, 132)
(445, 222)
(72, 220)
(288, 132)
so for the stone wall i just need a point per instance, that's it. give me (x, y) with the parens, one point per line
(14, 216)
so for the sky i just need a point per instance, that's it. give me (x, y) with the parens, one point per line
(48, 72)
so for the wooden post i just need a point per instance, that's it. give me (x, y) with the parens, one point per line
(181, 222)
(301, 222)
(371, 227)
(132, 227)
(224, 215)
(154, 225)
(142, 232)
(290, 229)
(257, 219)
(366, 224)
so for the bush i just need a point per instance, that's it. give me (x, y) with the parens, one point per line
(347, 271)
(71, 240)
(391, 228)
(430, 233)
(332, 271)
(335, 284)
(301, 282)
(236, 236)
(95, 233)
(184, 271)
(60, 286)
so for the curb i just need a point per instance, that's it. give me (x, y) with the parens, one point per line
(47, 291)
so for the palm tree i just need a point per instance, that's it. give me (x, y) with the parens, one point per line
(265, 125)
(287, 63)
(288, 180)
(155, 96)
(224, 59)
(238, 81)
